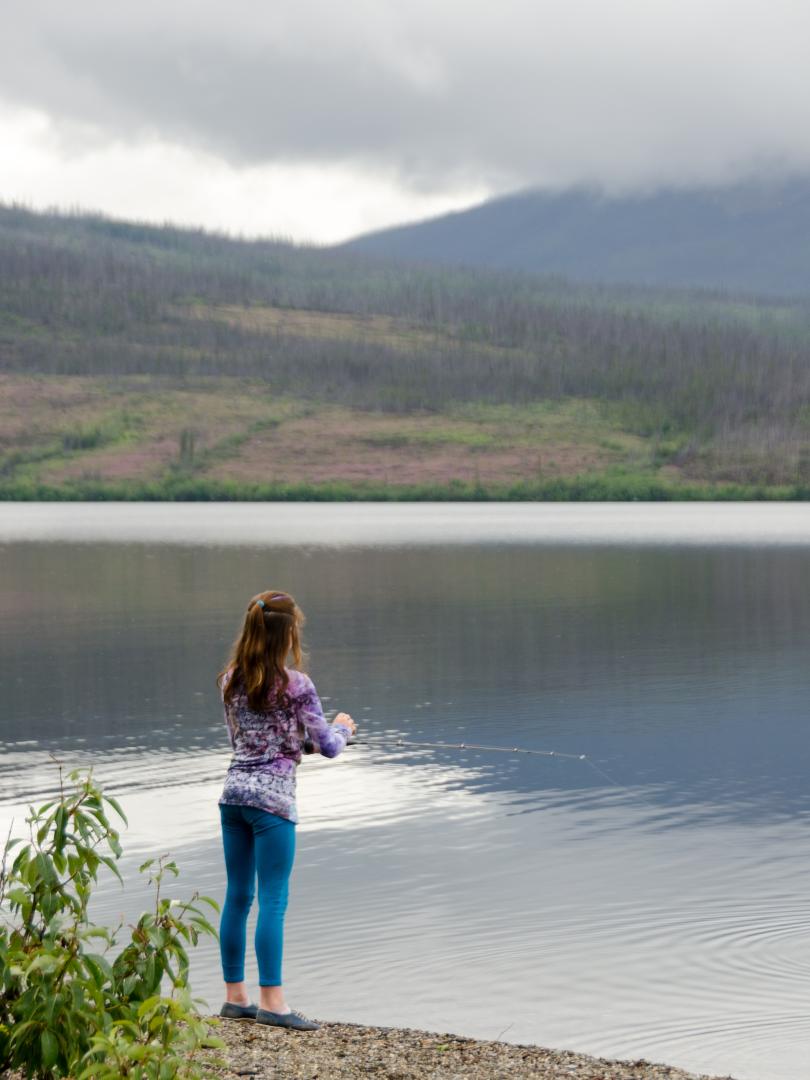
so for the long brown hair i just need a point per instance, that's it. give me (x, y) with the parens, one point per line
(271, 631)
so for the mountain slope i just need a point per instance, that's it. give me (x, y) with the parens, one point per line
(751, 237)
(153, 362)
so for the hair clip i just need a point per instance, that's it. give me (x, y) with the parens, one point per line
(260, 603)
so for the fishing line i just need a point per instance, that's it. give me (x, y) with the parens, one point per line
(380, 742)
(464, 746)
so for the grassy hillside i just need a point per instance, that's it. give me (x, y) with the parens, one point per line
(144, 362)
(745, 236)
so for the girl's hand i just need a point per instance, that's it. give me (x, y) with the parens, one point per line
(344, 718)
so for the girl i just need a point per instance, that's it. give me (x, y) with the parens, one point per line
(273, 713)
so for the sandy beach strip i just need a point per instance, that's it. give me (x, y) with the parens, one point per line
(339, 1051)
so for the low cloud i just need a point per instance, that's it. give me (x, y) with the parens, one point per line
(518, 92)
(444, 98)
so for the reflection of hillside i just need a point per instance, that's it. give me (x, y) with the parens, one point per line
(674, 662)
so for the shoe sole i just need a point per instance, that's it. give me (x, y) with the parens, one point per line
(297, 1031)
(288, 1027)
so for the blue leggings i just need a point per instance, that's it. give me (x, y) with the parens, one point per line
(255, 842)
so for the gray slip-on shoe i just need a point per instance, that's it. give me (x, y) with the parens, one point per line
(232, 1011)
(291, 1019)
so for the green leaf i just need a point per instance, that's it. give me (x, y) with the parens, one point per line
(148, 1005)
(101, 819)
(128, 1026)
(100, 968)
(117, 807)
(95, 1071)
(60, 823)
(203, 924)
(103, 963)
(46, 868)
(156, 936)
(45, 962)
(151, 973)
(96, 931)
(20, 1029)
(53, 1006)
(21, 860)
(96, 973)
(50, 1048)
(110, 864)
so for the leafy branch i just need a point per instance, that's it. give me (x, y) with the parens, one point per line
(65, 1009)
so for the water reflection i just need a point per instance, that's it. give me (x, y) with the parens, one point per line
(651, 907)
(418, 899)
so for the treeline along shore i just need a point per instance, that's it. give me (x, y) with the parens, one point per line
(142, 362)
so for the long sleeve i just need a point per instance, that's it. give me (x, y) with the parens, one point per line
(231, 738)
(330, 738)
(225, 681)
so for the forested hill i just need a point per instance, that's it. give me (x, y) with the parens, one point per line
(754, 237)
(147, 362)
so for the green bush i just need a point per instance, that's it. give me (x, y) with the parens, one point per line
(68, 1006)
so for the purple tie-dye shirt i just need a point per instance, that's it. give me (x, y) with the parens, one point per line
(267, 747)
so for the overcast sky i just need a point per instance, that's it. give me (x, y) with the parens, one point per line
(318, 119)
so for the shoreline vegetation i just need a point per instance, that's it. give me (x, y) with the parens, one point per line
(343, 1051)
(576, 489)
(155, 363)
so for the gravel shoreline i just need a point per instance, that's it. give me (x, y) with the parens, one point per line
(348, 1051)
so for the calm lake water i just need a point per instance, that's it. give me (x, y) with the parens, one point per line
(651, 905)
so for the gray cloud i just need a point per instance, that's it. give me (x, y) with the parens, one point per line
(622, 93)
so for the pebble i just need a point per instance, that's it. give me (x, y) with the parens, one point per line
(351, 1051)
